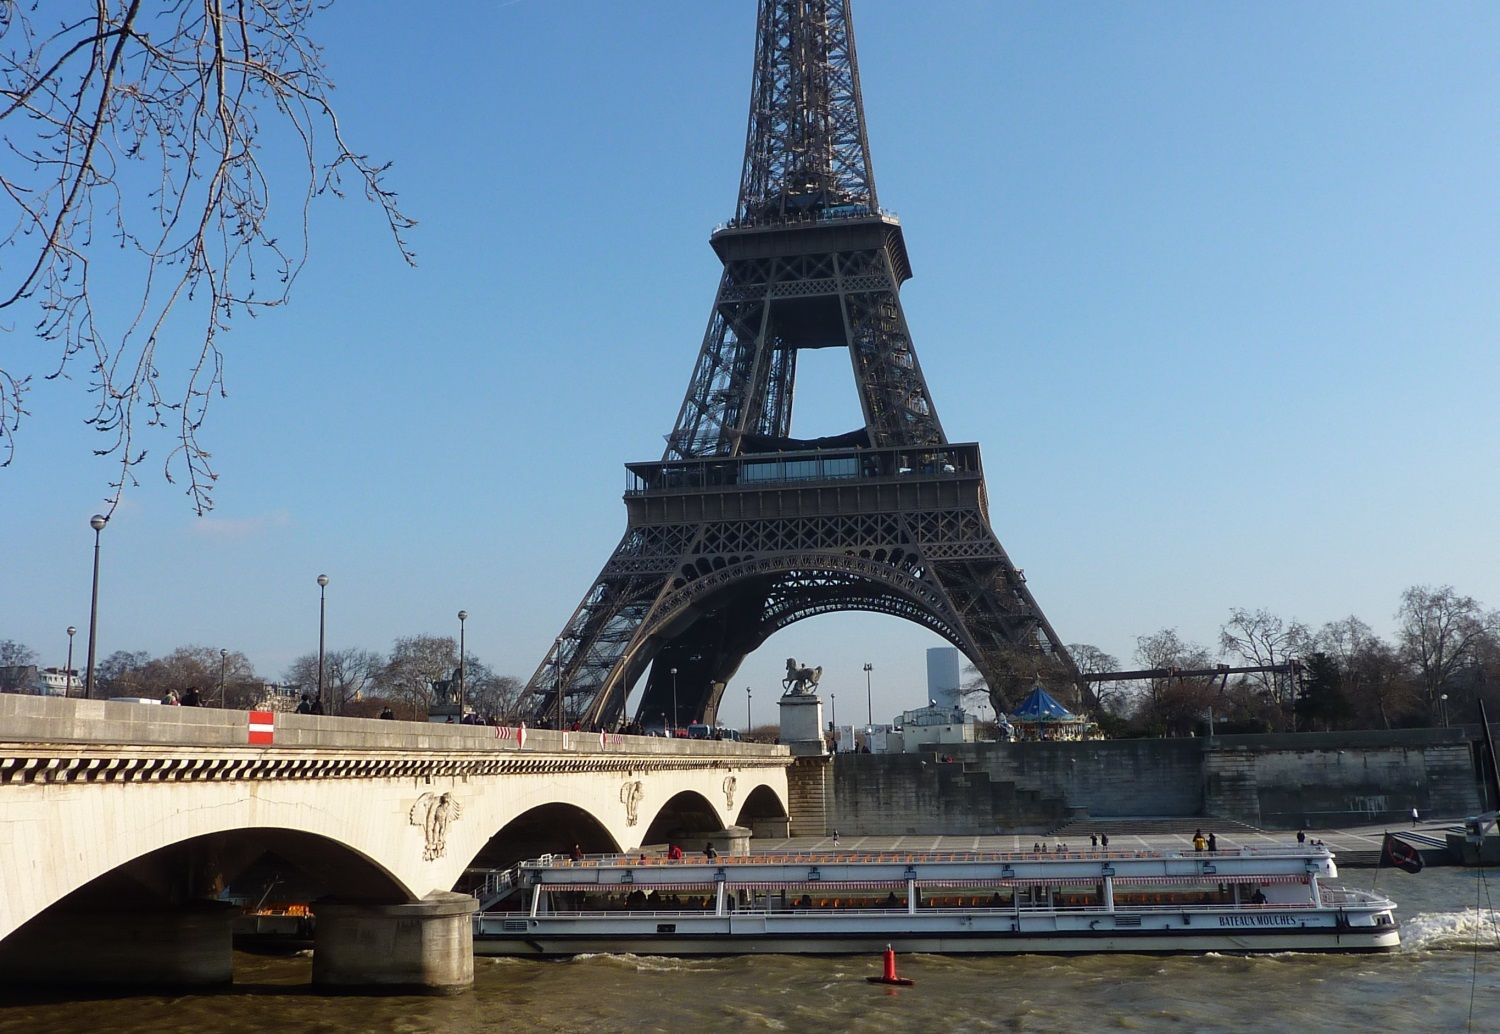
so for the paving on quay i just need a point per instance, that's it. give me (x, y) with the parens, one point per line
(1355, 845)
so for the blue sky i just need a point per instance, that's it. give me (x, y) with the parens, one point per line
(1213, 285)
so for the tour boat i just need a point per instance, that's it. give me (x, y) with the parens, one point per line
(1237, 900)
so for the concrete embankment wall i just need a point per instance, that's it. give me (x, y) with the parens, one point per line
(1330, 779)
(993, 786)
(1282, 781)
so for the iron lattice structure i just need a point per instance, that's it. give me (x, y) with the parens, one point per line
(740, 529)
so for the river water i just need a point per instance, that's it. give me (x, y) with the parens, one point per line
(1448, 965)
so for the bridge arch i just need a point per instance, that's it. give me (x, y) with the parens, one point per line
(760, 804)
(554, 827)
(683, 815)
(706, 624)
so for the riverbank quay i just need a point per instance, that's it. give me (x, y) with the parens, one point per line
(1354, 847)
(1281, 781)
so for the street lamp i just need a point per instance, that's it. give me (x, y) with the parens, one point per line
(322, 612)
(674, 701)
(223, 663)
(71, 632)
(97, 522)
(463, 616)
(869, 700)
(1444, 701)
(747, 710)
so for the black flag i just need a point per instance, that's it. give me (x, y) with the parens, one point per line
(1400, 854)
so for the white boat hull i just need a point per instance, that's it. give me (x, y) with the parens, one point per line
(676, 936)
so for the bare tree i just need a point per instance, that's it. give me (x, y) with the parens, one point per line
(416, 662)
(1112, 696)
(135, 133)
(1440, 631)
(207, 669)
(347, 675)
(16, 663)
(122, 674)
(1262, 638)
(487, 693)
(1174, 705)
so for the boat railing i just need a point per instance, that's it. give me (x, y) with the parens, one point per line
(1005, 909)
(912, 857)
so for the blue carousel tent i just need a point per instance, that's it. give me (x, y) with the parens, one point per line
(1041, 706)
(1041, 717)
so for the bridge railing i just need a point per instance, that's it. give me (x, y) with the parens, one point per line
(58, 720)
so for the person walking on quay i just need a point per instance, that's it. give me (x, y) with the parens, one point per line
(1093, 839)
(709, 852)
(835, 839)
(1414, 815)
(192, 698)
(1104, 840)
(1199, 844)
(1213, 843)
(1301, 836)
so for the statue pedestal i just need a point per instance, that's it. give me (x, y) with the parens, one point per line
(802, 725)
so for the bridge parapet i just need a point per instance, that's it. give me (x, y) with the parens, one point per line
(35, 720)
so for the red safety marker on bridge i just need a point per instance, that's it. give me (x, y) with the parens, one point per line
(262, 727)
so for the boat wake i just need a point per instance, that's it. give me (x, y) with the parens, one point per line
(1452, 931)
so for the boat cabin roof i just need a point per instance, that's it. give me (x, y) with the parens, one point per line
(941, 868)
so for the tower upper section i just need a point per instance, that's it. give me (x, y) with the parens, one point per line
(806, 151)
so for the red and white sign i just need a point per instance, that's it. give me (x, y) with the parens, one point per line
(506, 733)
(262, 727)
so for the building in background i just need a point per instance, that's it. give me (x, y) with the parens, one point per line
(943, 683)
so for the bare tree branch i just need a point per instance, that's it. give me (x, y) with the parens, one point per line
(144, 127)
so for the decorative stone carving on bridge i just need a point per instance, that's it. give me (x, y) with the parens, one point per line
(432, 813)
(631, 795)
(730, 782)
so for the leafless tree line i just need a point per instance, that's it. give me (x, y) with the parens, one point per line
(356, 681)
(1443, 659)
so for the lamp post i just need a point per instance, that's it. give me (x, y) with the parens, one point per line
(869, 700)
(463, 616)
(322, 613)
(97, 522)
(223, 664)
(1444, 701)
(674, 701)
(747, 710)
(71, 633)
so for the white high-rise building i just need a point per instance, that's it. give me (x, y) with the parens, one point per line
(943, 676)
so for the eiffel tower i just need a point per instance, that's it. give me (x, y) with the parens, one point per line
(741, 529)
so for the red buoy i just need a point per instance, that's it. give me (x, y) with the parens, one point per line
(890, 976)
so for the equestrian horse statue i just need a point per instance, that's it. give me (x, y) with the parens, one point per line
(800, 682)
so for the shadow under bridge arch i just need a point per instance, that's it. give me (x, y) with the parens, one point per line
(554, 828)
(684, 817)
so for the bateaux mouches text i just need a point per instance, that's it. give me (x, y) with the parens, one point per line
(1271, 920)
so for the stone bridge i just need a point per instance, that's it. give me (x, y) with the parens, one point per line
(124, 827)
